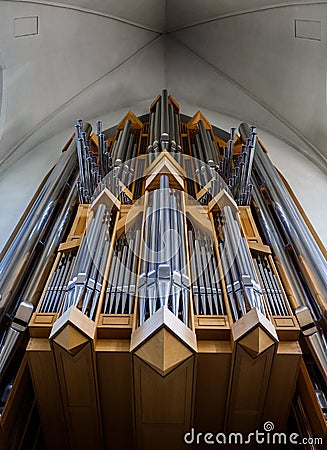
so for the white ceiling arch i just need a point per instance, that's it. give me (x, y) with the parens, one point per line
(49, 77)
(89, 56)
(147, 14)
(188, 13)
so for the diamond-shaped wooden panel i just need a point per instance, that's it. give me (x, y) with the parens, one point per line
(256, 342)
(71, 340)
(163, 352)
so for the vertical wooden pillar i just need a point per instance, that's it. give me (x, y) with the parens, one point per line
(47, 391)
(115, 379)
(213, 370)
(284, 373)
(43, 370)
(212, 381)
(72, 340)
(255, 340)
(164, 366)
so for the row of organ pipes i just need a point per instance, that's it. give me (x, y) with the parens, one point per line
(162, 260)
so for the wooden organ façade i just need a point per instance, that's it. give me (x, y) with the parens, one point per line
(178, 286)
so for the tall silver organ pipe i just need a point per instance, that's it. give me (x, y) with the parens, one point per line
(164, 138)
(243, 287)
(237, 171)
(275, 242)
(122, 276)
(32, 290)
(34, 287)
(293, 225)
(85, 283)
(311, 332)
(211, 158)
(164, 126)
(272, 292)
(18, 257)
(156, 120)
(206, 283)
(164, 279)
(120, 154)
(56, 236)
(98, 172)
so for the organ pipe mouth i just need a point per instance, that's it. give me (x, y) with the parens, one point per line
(17, 327)
(305, 320)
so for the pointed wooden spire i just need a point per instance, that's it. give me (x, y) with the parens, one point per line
(135, 122)
(165, 164)
(193, 123)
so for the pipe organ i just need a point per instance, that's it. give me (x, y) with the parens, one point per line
(162, 283)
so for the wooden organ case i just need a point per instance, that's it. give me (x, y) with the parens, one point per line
(175, 302)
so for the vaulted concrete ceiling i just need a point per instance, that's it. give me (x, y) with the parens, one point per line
(238, 57)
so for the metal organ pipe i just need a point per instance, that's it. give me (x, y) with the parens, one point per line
(172, 131)
(55, 238)
(163, 280)
(276, 244)
(237, 264)
(31, 292)
(121, 150)
(311, 332)
(164, 127)
(290, 219)
(85, 283)
(206, 286)
(206, 144)
(156, 136)
(177, 133)
(152, 121)
(164, 138)
(94, 177)
(83, 289)
(16, 261)
(236, 171)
